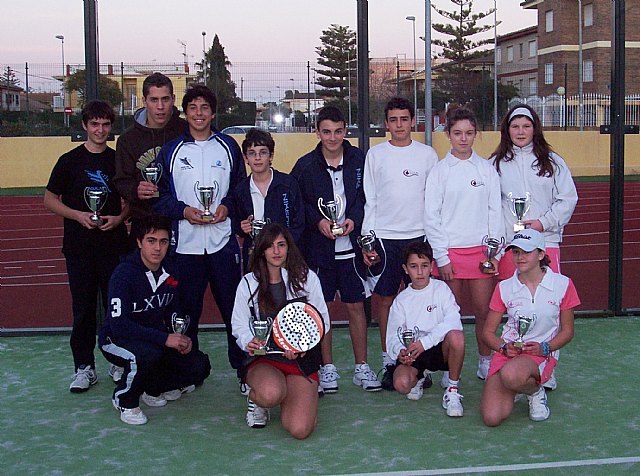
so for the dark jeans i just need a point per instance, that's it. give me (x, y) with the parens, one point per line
(221, 270)
(154, 369)
(87, 276)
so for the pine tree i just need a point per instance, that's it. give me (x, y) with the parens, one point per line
(219, 77)
(456, 78)
(338, 55)
(9, 77)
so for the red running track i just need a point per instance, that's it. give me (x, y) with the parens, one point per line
(33, 280)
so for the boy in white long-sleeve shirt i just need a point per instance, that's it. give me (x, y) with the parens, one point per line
(395, 177)
(428, 309)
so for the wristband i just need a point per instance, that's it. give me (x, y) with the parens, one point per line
(546, 349)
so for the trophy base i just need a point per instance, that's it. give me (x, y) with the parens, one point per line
(260, 352)
(487, 267)
(518, 227)
(519, 345)
(97, 221)
(206, 217)
(337, 231)
(155, 194)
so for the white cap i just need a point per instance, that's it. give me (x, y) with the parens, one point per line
(528, 240)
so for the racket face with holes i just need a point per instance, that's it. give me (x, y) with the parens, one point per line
(298, 327)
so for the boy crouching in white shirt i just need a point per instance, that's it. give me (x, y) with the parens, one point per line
(424, 331)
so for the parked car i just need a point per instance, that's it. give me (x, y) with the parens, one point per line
(237, 129)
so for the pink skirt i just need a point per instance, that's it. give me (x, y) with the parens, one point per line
(466, 263)
(545, 365)
(507, 266)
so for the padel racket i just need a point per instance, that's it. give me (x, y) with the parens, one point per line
(298, 327)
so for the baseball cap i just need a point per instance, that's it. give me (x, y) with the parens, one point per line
(528, 240)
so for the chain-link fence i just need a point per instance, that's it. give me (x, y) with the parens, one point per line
(287, 95)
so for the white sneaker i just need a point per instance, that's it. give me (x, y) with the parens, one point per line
(365, 378)
(257, 417)
(483, 368)
(245, 388)
(444, 381)
(131, 416)
(173, 395)
(452, 402)
(84, 377)
(552, 383)
(538, 408)
(329, 378)
(151, 401)
(115, 372)
(416, 392)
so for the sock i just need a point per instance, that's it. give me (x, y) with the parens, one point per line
(453, 383)
(386, 360)
(485, 358)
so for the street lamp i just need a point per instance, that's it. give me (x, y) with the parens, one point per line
(580, 71)
(293, 97)
(204, 58)
(412, 19)
(61, 38)
(428, 109)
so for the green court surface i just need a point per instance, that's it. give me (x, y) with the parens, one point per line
(594, 426)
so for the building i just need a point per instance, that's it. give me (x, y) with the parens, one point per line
(558, 45)
(517, 58)
(10, 97)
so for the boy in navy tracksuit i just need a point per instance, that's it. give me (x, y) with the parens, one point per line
(159, 363)
(335, 169)
(267, 194)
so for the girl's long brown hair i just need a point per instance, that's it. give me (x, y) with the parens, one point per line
(541, 148)
(295, 265)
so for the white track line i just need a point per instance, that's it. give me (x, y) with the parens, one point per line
(511, 467)
(21, 285)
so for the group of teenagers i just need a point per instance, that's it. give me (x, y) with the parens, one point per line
(270, 241)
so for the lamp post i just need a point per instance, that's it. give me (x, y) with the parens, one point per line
(428, 95)
(349, 82)
(293, 97)
(61, 38)
(412, 19)
(580, 72)
(204, 57)
(495, 65)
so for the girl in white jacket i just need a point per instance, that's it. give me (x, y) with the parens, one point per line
(279, 276)
(528, 167)
(462, 209)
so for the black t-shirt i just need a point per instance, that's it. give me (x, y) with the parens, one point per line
(73, 173)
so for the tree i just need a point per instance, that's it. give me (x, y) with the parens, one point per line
(108, 89)
(218, 77)
(457, 78)
(338, 55)
(9, 77)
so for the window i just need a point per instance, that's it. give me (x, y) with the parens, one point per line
(587, 71)
(499, 55)
(521, 50)
(509, 53)
(533, 86)
(548, 73)
(549, 21)
(533, 48)
(587, 14)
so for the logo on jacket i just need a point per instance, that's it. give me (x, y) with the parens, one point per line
(358, 178)
(171, 282)
(186, 165)
(153, 302)
(432, 308)
(149, 156)
(512, 304)
(410, 173)
(476, 183)
(98, 177)
(287, 213)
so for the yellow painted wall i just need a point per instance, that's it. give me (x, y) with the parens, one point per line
(27, 161)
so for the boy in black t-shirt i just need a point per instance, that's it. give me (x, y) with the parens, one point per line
(91, 248)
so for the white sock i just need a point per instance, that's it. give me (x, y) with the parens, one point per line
(453, 383)
(386, 360)
(485, 358)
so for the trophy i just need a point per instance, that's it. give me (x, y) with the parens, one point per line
(206, 196)
(331, 210)
(152, 173)
(519, 208)
(368, 243)
(261, 330)
(407, 336)
(491, 247)
(179, 324)
(257, 226)
(95, 198)
(524, 323)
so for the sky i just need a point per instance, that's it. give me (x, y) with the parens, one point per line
(250, 30)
